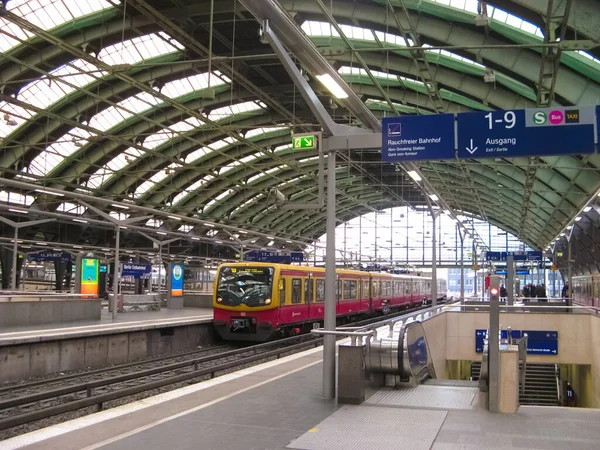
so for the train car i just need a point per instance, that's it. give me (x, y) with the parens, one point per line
(586, 290)
(260, 301)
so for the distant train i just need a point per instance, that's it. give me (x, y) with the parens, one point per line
(260, 301)
(586, 290)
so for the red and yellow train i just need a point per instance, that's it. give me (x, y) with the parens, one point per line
(260, 301)
(586, 290)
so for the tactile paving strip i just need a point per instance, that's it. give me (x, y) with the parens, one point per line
(373, 428)
(422, 396)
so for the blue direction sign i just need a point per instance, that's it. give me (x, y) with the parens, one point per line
(413, 138)
(526, 132)
(517, 256)
(538, 342)
(136, 270)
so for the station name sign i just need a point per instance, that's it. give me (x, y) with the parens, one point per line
(487, 134)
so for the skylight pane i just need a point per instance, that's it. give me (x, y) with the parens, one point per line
(232, 110)
(263, 130)
(136, 50)
(191, 189)
(46, 14)
(194, 83)
(118, 163)
(16, 199)
(154, 180)
(119, 215)
(71, 208)
(12, 117)
(55, 153)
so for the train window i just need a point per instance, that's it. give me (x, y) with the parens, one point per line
(320, 290)
(366, 293)
(349, 290)
(282, 291)
(338, 290)
(308, 290)
(360, 290)
(296, 290)
(375, 289)
(388, 288)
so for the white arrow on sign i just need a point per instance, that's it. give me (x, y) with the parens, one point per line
(471, 150)
(554, 351)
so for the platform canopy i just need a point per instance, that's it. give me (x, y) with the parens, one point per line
(178, 107)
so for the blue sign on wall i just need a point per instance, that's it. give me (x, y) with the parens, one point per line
(517, 256)
(136, 270)
(176, 280)
(414, 138)
(47, 256)
(538, 342)
(274, 257)
(528, 132)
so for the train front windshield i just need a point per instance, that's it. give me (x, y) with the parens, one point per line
(250, 286)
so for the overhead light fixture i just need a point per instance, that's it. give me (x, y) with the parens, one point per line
(577, 219)
(242, 232)
(219, 242)
(21, 211)
(332, 86)
(44, 191)
(569, 227)
(271, 243)
(587, 209)
(80, 220)
(414, 175)
(289, 242)
(174, 217)
(77, 246)
(562, 234)
(161, 232)
(209, 225)
(106, 249)
(433, 197)
(270, 237)
(41, 243)
(119, 206)
(195, 238)
(121, 226)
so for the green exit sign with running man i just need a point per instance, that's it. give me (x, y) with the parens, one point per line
(304, 142)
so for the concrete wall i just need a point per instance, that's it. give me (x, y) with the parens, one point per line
(24, 361)
(197, 300)
(435, 330)
(25, 313)
(574, 335)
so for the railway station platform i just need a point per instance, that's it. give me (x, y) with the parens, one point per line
(278, 405)
(125, 322)
(42, 350)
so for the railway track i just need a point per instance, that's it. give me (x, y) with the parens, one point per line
(29, 406)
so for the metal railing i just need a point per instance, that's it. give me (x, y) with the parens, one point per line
(559, 387)
(9, 296)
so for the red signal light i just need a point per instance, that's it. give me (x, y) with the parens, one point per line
(494, 291)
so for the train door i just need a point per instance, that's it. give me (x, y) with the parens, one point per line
(318, 309)
(309, 293)
(366, 294)
(298, 308)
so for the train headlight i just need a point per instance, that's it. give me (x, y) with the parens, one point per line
(219, 299)
(267, 301)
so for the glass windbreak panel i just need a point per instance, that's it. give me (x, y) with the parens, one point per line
(250, 286)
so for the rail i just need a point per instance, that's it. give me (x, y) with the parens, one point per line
(548, 307)
(347, 332)
(522, 343)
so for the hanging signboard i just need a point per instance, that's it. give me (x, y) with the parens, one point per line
(136, 270)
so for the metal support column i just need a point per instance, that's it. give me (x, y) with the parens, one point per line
(462, 264)
(510, 280)
(475, 272)
(117, 274)
(493, 344)
(433, 259)
(13, 276)
(570, 277)
(329, 362)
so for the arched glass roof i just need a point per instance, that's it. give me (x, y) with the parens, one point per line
(125, 103)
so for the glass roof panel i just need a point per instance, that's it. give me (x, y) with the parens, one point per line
(112, 167)
(55, 153)
(12, 117)
(154, 223)
(179, 88)
(119, 215)
(46, 14)
(192, 188)
(255, 132)
(125, 109)
(16, 198)
(246, 204)
(218, 198)
(224, 112)
(136, 50)
(155, 179)
(218, 145)
(185, 228)
(71, 208)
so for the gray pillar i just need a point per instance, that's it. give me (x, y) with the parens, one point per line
(462, 266)
(433, 260)
(493, 346)
(510, 279)
(474, 264)
(15, 268)
(330, 285)
(570, 277)
(117, 275)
